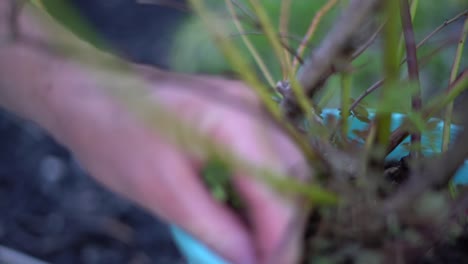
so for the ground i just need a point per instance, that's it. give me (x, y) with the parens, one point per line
(52, 210)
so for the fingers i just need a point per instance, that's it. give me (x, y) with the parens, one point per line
(188, 205)
(270, 215)
(275, 219)
(134, 162)
(270, 218)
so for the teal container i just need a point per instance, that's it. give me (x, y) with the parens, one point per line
(196, 252)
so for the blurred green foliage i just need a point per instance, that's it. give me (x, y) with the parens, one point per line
(67, 14)
(194, 51)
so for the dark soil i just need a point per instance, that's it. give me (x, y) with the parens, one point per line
(52, 210)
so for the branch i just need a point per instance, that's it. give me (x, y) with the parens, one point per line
(446, 23)
(310, 31)
(347, 35)
(379, 83)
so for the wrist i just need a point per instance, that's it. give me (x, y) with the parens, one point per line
(88, 100)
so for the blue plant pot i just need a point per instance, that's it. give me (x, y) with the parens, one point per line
(196, 252)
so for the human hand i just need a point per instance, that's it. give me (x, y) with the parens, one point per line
(123, 153)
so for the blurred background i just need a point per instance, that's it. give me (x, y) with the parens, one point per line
(50, 207)
(194, 51)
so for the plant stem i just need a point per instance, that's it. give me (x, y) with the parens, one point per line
(412, 11)
(270, 32)
(446, 23)
(391, 68)
(453, 75)
(284, 27)
(311, 30)
(345, 95)
(412, 62)
(275, 42)
(250, 47)
(246, 11)
(246, 72)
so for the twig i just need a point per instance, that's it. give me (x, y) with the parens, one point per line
(247, 12)
(336, 43)
(256, 24)
(284, 44)
(270, 33)
(453, 75)
(366, 93)
(346, 35)
(292, 52)
(311, 30)
(379, 83)
(272, 36)
(250, 47)
(284, 27)
(413, 68)
(369, 42)
(439, 28)
(259, 33)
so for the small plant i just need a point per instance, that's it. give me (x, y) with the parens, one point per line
(388, 211)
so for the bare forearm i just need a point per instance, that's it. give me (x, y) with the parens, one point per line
(25, 77)
(25, 72)
(32, 65)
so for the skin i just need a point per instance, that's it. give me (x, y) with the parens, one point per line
(124, 153)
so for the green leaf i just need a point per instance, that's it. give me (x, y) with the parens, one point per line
(69, 16)
(361, 113)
